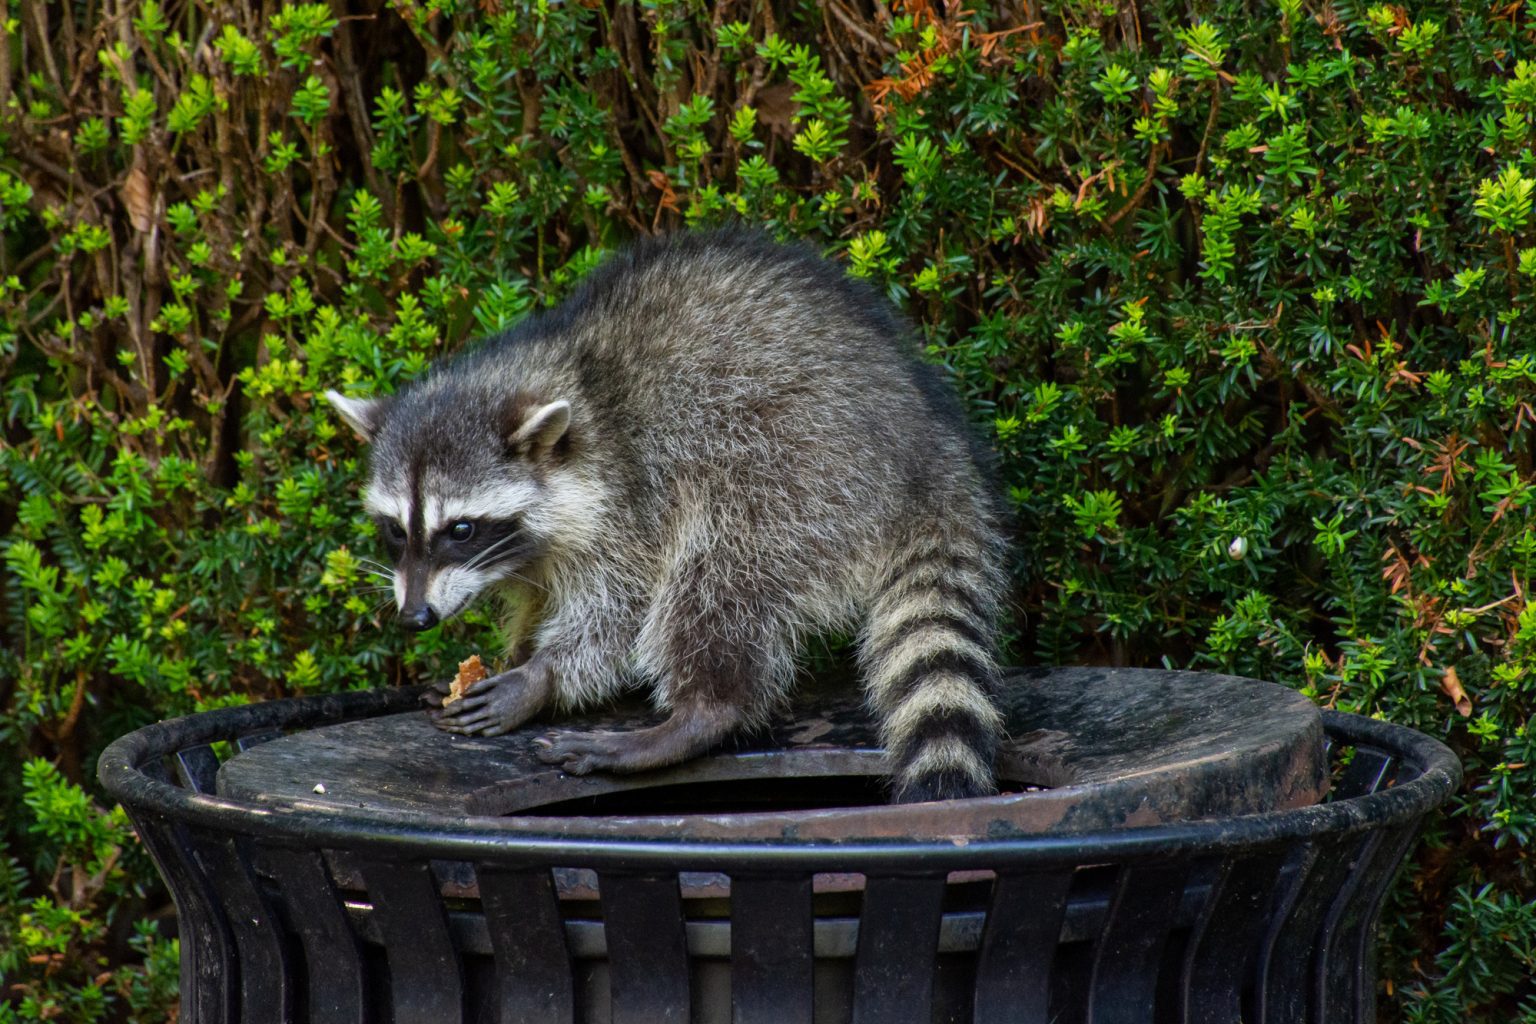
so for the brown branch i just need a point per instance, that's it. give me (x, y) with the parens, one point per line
(883, 47)
(644, 93)
(1141, 193)
(323, 182)
(5, 56)
(348, 77)
(44, 39)
(1210, 124)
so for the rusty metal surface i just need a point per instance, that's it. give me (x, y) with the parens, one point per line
(1112, 747)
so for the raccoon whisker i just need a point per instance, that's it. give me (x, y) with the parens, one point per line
(535, 584)
(495, 549)
(479, 561)
(511, 538)
(511, 574)
(369, 593)
(480, 556)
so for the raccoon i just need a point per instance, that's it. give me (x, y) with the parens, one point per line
(717, 447)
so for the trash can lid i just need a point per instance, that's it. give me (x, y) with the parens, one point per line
(1087, 748)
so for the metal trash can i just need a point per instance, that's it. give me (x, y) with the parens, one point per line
(1169, 846)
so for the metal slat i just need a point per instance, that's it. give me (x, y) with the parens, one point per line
(1366, 771)
(426, 979)
(1269, 966)
(337, 983)
(207, 947)
(1346, 967)
(256, 739)
(266, 978)
(198, 768)
(1357, 937)
(1223, 942)
(1018, 944)
(1126, 958)
(533, 966)
(898, 941)
(647, 948)
(772, 936)
(1328, 1006)
(1290, 984)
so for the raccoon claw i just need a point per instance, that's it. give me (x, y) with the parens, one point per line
(492, 706)
(483, 724)
(437, 693)
(688, 732)
(580, 753)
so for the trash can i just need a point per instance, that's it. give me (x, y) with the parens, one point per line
(1170, 846)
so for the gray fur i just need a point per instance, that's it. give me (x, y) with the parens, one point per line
(754, 453)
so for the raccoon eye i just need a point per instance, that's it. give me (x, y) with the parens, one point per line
(392, 534)
(461, 531)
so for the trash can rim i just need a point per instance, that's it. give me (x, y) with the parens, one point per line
(481, 839)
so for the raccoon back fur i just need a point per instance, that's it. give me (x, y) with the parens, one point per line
(715, 448)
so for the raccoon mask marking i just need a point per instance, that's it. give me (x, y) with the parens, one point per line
(717, 447)
(449, 541)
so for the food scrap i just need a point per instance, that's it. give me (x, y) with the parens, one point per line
(471, 671)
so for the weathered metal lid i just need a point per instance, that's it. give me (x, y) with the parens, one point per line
(1089, 748)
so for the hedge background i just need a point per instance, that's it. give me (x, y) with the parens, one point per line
(1240, 289)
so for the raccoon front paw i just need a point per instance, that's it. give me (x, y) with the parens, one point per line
(581, 753)
(495, 705)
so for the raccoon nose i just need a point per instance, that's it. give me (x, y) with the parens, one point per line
(420, 618)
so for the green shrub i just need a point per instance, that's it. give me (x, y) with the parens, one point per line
(1244, 300)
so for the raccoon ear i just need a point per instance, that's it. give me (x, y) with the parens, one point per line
(364, 414)
(541, 429)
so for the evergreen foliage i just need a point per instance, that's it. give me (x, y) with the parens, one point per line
(1241, 291)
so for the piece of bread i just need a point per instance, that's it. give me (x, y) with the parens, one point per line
(471, 671)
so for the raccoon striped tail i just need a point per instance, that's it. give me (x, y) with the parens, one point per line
(931, 671)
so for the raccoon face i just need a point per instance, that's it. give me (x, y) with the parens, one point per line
(439, 569)
(457, 497)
